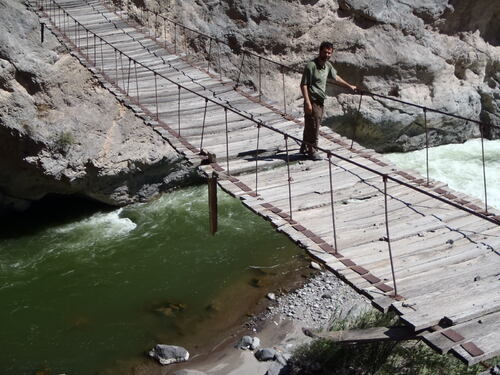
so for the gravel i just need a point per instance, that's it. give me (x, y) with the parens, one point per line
(318, 301)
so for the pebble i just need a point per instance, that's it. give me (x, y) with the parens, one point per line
(315, 266)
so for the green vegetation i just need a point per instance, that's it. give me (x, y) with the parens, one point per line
(322, 357)
(64, 140)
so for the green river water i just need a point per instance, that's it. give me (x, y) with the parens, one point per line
(83, 288)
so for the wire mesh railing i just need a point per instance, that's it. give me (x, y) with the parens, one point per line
(147, 88)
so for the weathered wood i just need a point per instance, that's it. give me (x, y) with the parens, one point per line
(376, 334)
(469, 331)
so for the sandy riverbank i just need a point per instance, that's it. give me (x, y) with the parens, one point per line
(312, 305)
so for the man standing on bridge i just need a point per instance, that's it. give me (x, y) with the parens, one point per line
(313, 87)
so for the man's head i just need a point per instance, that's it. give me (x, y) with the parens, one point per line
(325, 51)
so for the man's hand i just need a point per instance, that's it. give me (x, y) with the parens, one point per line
(308, 108)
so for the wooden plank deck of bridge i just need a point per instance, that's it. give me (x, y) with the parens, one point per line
(446, 261)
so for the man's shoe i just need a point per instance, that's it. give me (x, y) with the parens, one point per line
(316, 156)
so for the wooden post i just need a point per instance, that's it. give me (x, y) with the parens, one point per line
(42, 31)
(212, 202)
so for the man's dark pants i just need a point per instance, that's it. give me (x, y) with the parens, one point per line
(312, 122)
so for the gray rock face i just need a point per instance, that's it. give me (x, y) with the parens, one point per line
(63, 133)
(168, 354)
(442, 54)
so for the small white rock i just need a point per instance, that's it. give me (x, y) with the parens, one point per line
(315, 266)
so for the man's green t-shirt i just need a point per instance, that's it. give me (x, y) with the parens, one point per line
(315, 78)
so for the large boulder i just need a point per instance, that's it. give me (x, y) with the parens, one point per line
(168, 354)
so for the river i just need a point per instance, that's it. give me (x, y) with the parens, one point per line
(460, 166)
(84, 288)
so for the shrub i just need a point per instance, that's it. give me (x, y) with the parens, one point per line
(322, 357)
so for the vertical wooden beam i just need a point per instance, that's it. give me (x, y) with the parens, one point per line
(212, 202)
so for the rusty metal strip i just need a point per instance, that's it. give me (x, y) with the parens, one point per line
(326, 247)
(472, 349)
(331, 250)
(317, 239)
(172, 132)
(452, 335)
(253, 194)
(282, 214)
(359, 269)
(299, 228)
(234, 179)
(308, 233)
(275, 209)
(474, 207)
(267, 205)
(217, 167)
(371, 278)
(440, 191)
(347, 262)
(404, 174)
(384, 287)
(242, 186)
(381, 163)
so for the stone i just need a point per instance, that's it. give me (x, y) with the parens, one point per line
(281, 359)
(271, 296)
(245, 342)
(276, 368)
(168, 354)
(265, 354)
(255, 343)
(315, 266)
(495, 370)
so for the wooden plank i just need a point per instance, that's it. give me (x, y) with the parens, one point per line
(456, 304)
(376, 334)
(469, 331)
(488, 343)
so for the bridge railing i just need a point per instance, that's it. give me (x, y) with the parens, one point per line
(130, 76)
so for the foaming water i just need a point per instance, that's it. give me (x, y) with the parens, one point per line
(460, 166)
(103, 225)
(80, 295)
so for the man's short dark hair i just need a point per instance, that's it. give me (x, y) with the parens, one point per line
(325, 44)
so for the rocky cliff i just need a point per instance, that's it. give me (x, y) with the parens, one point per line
(442, 54)
(62, 133)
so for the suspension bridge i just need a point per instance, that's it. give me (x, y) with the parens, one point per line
(410, 244)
